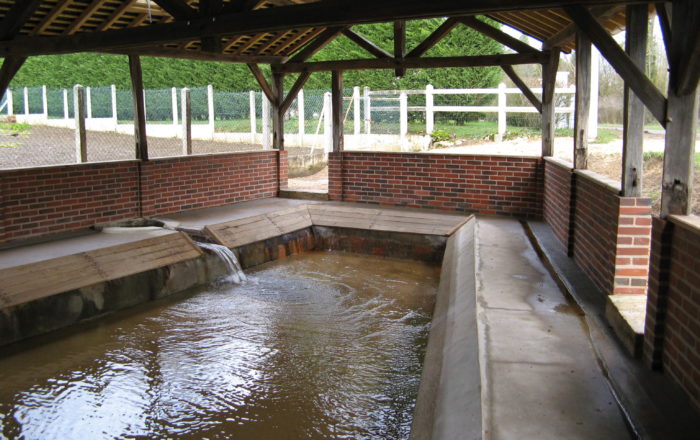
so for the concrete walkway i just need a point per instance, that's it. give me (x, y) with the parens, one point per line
(540, 377)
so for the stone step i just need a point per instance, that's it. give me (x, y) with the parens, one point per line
(626, 314)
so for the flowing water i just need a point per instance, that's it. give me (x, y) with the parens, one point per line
(322, 345)
(235, 272)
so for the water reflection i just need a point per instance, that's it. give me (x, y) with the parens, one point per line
(322, 345)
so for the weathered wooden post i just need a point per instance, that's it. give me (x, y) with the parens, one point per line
(265, 122)
(186, 113)
(549, 82)
(583, 100)
(139, 102)
(210, 107)
(403, 121)
(633, 117)
(79, 114)
(502, 116)
(173, 100)
(115, 114)
(277, 111)
(327, 123)
(253, 122)
(356, 109)
(368, 112)
(45, 102)
(302, 117)
(429, 109)
(337, 110)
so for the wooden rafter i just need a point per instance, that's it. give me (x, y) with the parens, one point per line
(305, 39)
(663, 10)
(9, 69)
(690, 68)
(262, 81)
(15, 18)
(317, 44)
(568, 33)
(164, 52)
(276, 38)
(319, 14)
(179, 9)
(633, 76)
(250, 43)
(293, 40)
(85, 16)
(115, 16)
(366, 44)
(496, 34)
(432, 39)
(416, 63)
(48, 19)
(523, 87)
(294, 91)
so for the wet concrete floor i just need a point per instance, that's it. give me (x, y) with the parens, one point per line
(541, 379)
(316, 346)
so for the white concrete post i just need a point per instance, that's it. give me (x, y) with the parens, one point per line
(253, 122)
(502, 102)
(302, 117)
(115, 114)
(66, 116)
(88, 102)
(265, 122)
(356, 108)
(45, 102)
(210, 104)
(327, 123)
(173, 99)
(186, 113)
(144, 106)
(26, 101)
(595, 90)
(79, 110)
(429, 109)
(10, 103)
(403, 121)
(368, 112)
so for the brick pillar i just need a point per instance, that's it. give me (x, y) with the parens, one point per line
(661, 244)
(335, 176)
(632, 250)
(282, 169)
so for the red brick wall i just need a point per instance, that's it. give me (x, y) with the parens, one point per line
(49, 200)
(43, 201)
(611, 235)
(557, 198)
(486, 184)
(186, 183)
(672, 335)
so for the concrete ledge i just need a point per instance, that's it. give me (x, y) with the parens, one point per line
(559, 162)
(607, 183)
(449, 397)
(626, 314)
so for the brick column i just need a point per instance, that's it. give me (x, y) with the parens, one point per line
(632, 248)
(335, 176)
(283, 169)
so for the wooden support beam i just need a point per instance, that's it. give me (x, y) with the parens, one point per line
(366, 44)
(633, 116)
(10, 67)
(564, 36)
(179, 9)
(584, 50)
(399, 45)
(663, 11)
(549, 82)
(294, 91)
(633, 76)
(83, 17)
(497, 35)
(16, 17)
(139, 107)
(534, 100)
(209, 9)
(417, 63)
(277, 114)
(79, 118)
(186, 110)
(166, 52)
(317, 14)
(262, 81)
(690, 67)
(51, 16)
(115, 15)
(437, 35)
(317, 44)
(679, 156)
(337, 110)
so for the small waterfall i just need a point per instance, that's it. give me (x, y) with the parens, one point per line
(235, 272)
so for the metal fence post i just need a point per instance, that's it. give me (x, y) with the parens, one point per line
(301, 118)
(502, 102)
(65, 104)
(429, 109)
(88, 102)
(253, 122)
(186, 113)
(115, 117)
(327, 123)
(45, 102)
(10, 103)
(403, 120)
(265, 122)
(356, 108)
(173, 99)
(210, 105)
(79, 110)
(368, 112)
(26, 101)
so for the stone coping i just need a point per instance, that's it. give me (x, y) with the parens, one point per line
(689, 222)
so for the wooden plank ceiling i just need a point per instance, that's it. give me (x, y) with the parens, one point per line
(52, 18)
